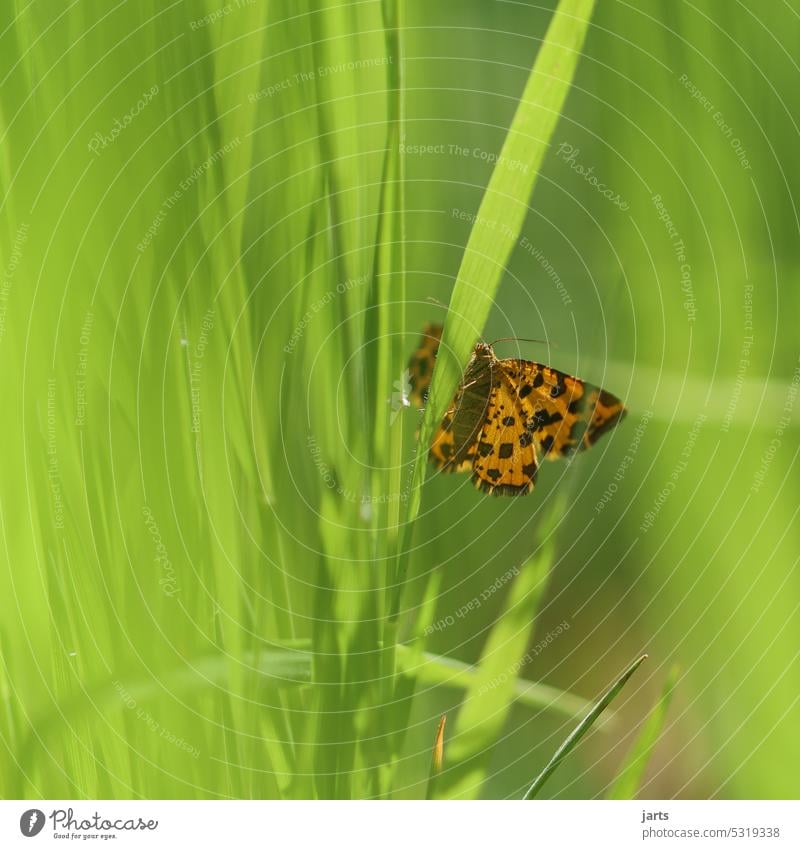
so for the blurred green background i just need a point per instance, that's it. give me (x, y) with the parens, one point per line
(206, 210)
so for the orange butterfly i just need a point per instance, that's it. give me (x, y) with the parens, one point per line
(507, 414)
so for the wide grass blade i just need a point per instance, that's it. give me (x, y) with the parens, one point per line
(502, 212)
(577, 735)
(629, 778)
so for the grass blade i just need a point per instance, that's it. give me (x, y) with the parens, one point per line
(629, 778)
(433, 670)
(502, 212)
(577, 735)
(437, 758)
(491, 693)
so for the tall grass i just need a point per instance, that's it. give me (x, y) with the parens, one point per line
(222, 573)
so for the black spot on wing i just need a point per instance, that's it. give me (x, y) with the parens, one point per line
(607, 399)
(595, 433)
(541, 418)
(578, 405)
(578, 431)
(502, 488)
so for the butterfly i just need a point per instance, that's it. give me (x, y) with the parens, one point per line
(508, 414)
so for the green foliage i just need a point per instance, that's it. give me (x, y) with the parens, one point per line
(222, 230)
(582, 728)
(629, 780)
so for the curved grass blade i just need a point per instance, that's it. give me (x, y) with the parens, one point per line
(629, 778)
(506, 200)
(501, 215)
(435, 670)
(577, 735)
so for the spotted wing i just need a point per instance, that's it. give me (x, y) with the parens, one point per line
(420, 366)
(454, 444)
(564, 414)
(505, 455)
(448, 454)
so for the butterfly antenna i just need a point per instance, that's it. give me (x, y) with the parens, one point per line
(436, 301)
(523, 339)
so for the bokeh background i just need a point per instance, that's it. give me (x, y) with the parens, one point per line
(206, 210)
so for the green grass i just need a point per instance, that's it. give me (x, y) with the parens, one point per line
(629, 781)
(224, 572)
(581, 730)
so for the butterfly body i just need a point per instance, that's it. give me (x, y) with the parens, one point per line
(508, 414)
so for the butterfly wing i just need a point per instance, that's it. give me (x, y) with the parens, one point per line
(420, 366)
(506, 460)
(447, 454)
(564, 414)
(507, 414)
(453, 445)
(455, 442)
